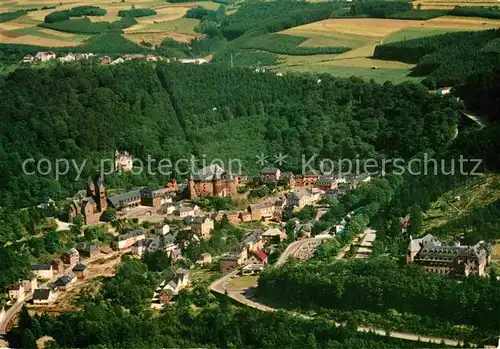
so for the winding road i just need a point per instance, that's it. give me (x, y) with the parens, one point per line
(242, 295)
(7, 318)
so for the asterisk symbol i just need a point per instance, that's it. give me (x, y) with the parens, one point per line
(280, 159)
(261, 159)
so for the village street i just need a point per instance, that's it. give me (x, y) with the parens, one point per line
(365, 248)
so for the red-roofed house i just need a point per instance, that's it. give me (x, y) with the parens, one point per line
(261, 255)
(258, 257)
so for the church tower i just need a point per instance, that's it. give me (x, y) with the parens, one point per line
(100, 195)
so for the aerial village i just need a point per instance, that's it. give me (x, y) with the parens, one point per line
(168, 219)
(42, 57)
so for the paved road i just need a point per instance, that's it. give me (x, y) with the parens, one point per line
(365, 248)
(220, 286)
(295, 246)
(9, 315)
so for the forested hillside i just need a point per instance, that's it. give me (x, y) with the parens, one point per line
(447, 59)
(116, 317)
(80, 112)
(379, 285)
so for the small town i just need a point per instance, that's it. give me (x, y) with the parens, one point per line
(168, 221)
(43, 57)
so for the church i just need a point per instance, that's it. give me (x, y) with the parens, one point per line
(90, 203)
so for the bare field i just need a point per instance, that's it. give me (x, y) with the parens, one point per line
(362, 35)
(165, 14)
(364, 27)
(34, 40)
(177, 26)
(157, 38)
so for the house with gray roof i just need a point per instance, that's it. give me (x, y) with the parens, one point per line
(433, 256)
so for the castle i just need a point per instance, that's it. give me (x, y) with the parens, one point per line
(90, 203)
(212, 181)
(123, 161)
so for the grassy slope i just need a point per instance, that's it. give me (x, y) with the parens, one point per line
(481, 192)
(458, 203)
(415, 33)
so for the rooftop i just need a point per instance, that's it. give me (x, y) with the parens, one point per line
(211, 172)
(40, 267)
(79, 267)
(116, 200)
(41, 294)
(269, 170)
(131, 234)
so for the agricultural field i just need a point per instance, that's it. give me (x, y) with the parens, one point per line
(167, 23)
(450, 4)
(362, 35)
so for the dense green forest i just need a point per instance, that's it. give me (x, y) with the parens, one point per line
(86, 112)
(378, 285)
(447, 59)
(9, 16)
(86, 26)
(481, 92)
(79, 11)
(476, 11)
(270, 17)
(137, 12)
(418, 14)
(117, 317)
(379, 9)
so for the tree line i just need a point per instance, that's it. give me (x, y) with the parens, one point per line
(379, 284)
(446, 60)
(117, 317)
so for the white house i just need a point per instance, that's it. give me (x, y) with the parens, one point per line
(186, 211)
(123, 161)
(28, 59)
(42, 271)
(43, 296)
(119, 60)
(16, 292)
(161, 229)
(45, 56)
(68, 58)
(127, 240)
(180, 281)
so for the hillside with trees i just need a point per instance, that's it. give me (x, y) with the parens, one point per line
(448, 59)
(86, 112)
(116, 317)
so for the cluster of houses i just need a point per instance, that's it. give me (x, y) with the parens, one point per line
(326, 183)
(49, 56)
(201, 227)
(250, 255)
(73, 57)
(57, 276)
(429, 253)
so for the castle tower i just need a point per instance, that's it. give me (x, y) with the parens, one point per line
(100, 195)
(192, 188)
(91, 189)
